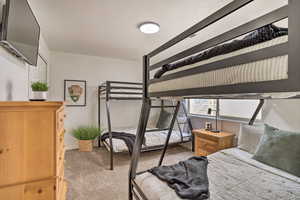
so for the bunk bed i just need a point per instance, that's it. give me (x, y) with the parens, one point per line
(266, 70)
(155, 137)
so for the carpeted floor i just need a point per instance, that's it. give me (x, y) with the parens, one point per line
(89, 178)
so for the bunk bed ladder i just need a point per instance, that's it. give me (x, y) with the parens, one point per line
(179, 123)
(190, 125)
(169, 133)
(186, 122)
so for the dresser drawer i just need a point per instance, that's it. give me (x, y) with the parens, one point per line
(42, 190)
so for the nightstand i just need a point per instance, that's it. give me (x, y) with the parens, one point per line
(207, 142)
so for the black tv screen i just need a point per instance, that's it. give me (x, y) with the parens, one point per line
(20, 30)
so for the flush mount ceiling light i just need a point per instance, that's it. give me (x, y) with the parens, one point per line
(149, 27)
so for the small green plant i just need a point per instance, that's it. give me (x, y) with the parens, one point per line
(39, 87)
(86, 132)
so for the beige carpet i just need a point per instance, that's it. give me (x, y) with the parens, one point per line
(89, 178)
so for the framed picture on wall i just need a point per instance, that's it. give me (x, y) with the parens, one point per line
(75, 92)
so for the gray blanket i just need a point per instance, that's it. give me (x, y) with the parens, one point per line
(260, 35)
(188, 178)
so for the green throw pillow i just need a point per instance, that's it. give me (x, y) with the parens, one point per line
(280, 149)
(164, 120)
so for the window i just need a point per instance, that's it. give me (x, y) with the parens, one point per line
(232, 109)
(238, 108)
(201, 106)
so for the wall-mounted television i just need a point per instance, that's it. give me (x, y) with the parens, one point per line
(20, 31)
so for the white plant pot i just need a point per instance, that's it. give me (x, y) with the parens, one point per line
(39, 96)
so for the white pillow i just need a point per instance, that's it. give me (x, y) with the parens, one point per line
(249, 137)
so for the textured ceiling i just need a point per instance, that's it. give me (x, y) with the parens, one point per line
(109, 27)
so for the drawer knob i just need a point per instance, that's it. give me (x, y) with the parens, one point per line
(65, 115)
(40, 191)
(61, 120)
(1, 151)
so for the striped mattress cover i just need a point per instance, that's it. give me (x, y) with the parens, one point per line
(275, 68)
(152, 139)
(233, 175)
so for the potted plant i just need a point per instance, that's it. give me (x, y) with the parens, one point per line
(85, 136)
(39, 91)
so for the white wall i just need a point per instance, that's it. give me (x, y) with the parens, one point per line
(94, 70)
(13, 78)
(283, 114)
(14, 83)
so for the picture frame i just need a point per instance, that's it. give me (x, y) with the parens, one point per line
(75, 93)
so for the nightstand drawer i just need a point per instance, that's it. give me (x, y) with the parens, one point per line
(207, 145)
(207, 142)
(201, 152)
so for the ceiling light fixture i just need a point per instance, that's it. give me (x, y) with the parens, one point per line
(149, 27)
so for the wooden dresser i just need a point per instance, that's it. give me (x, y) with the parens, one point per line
(32, 151)
(207, 142)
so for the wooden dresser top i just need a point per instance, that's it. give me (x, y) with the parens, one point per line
(31, 103)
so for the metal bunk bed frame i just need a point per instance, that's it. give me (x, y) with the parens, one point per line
(106, 91)
(292, 84)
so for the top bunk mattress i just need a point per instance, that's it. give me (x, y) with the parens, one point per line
(275, 68)
(233, 174)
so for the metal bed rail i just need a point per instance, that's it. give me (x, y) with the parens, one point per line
(129, 90)
(106, 91)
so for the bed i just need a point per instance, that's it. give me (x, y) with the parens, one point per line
(267, 70)
(233, 174)
(155, 137)
(152, 139)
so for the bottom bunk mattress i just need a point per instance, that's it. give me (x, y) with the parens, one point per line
(154, 138)
(233, 175)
